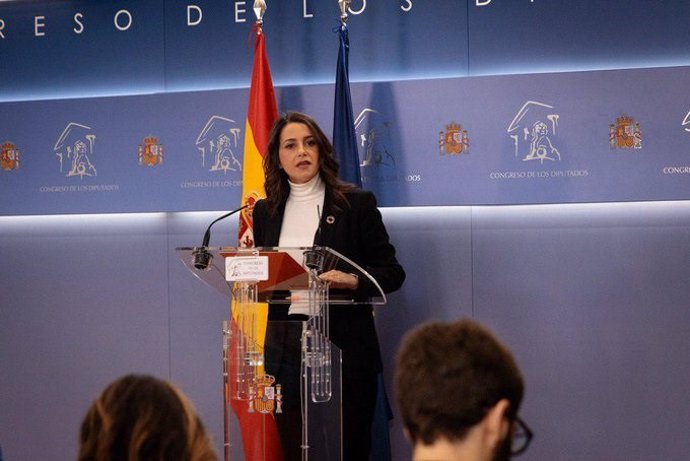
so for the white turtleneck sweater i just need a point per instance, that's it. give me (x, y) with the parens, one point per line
(300, 221)
(302, 210)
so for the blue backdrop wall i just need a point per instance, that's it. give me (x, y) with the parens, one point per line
(531, 158)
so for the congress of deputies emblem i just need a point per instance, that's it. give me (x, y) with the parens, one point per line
(150, 152)
(533, 131)
(218, 144)
(376, 141)
(454, 140)
(625, 134)
(9, 157)
(74, 149)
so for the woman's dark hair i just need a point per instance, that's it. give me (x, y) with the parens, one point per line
(276, 180)
(142, 418)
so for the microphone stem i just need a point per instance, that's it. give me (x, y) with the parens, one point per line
(207, 235)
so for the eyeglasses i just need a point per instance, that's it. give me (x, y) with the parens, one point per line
(522, 436)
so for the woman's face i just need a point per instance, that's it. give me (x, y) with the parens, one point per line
(298, 152)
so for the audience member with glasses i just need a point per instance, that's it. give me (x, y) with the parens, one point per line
(459, 390)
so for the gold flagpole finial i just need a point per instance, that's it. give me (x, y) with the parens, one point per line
(344, 5)
(259, 10)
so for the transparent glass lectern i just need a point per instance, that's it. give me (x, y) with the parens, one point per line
(257, 280)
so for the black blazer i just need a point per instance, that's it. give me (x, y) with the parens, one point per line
(359, 234)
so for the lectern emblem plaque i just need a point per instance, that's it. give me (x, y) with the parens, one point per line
(265, 394)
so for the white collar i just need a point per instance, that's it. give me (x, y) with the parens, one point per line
(308, 190)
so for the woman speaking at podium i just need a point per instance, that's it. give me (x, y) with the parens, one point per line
(306, 204)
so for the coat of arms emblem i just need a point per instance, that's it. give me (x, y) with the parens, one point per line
(454, 140)
(265, 395)
(625, 134)
(9, 158)
(150, 152)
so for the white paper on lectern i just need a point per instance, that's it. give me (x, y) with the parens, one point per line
(246, 268)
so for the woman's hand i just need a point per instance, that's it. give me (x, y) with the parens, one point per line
(339, 279)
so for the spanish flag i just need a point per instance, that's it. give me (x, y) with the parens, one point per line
(261, 115)
(259, 431)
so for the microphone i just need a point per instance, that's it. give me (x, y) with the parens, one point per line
(202, 258)
(317, 235)
(313, 258)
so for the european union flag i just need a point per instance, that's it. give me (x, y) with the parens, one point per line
(344, 135)
(345, 145)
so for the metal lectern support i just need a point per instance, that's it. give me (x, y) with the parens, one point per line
(316, 351)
